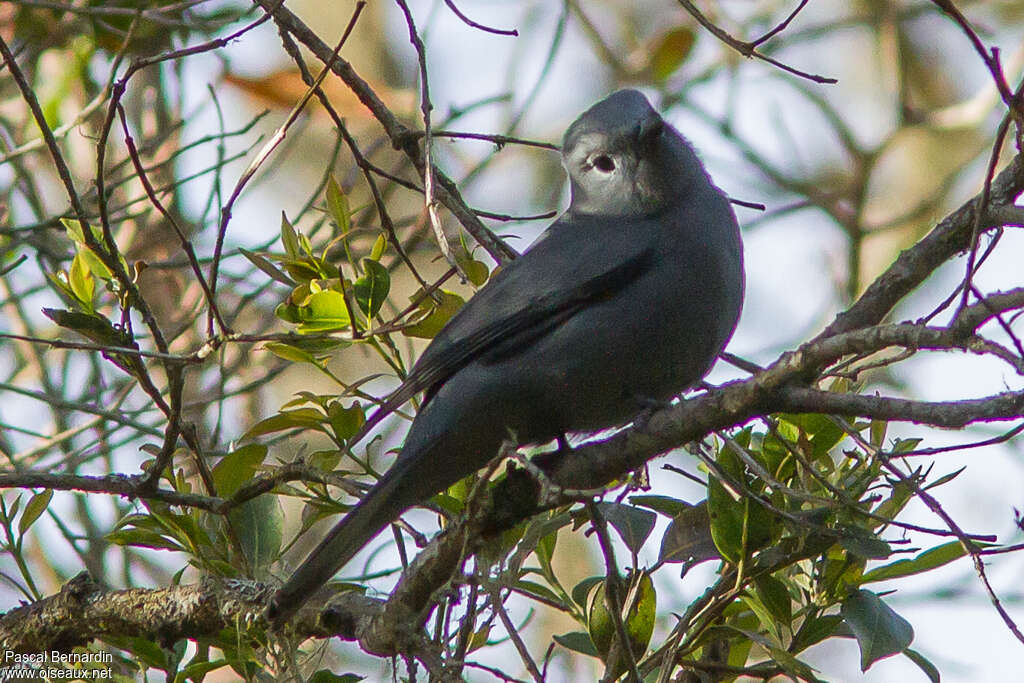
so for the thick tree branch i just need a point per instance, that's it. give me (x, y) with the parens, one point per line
(82, 610)
(601, 463)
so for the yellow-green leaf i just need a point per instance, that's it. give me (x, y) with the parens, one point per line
(379, 245)
(638, 616)
(81, 281)
(97, 266)
(476, 271)
(306, 418)
(926, 561)
(289, 352)
(289, 238)
(36, 506)
(337, 205)
(325, 312)
(671, 51)
(434, 315)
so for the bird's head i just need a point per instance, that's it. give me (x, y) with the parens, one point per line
(623, 159)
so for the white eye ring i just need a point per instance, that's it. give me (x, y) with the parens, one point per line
(603, 163)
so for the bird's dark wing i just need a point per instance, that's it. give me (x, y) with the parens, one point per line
(528, 298)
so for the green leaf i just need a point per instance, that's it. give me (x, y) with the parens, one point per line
(479, 638)
(96, 266)
(37, 505)
(945, 479)
(318, 346)
(73, 228)
(476, 271)
(819, 430)
(581, 590)
(371, 289)
(791, 665)
(540, 591)
(306, 418)
(81, 282)
(345, 421)
(671, 51)
(903, 446)
(814, 630)
(379, 245)
(688, 537)
(732, 519)
(290, 313)
(325, 461)
(289, 238)
(545, 551)
(196, 670)
(577, 641)
(638, 615)
(633, 524)
(161, 530)
(768, 623)
(878, 429)
(305, 247)
(325, 312)
(923, 664)
(665, 505)
(926, 561)
(184, 529)
(267, 267)
(143, 651)
(305, 270)
(879, 631)
(433, 316)
(89, 258)
(775, 597)
(92, 326)
(726, 517)
(7, 514)
(260, 526)
(774, 455)
(337, 206)
(290, 352)
(142, 538)
(238, 468)
(862, 543)
(902, 493)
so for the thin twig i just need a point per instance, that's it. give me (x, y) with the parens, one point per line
(469, 22)
(746, 49)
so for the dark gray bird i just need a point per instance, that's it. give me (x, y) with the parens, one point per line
(625, 300)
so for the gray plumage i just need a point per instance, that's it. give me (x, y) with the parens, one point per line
(626, 299)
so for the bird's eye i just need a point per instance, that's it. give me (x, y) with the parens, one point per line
(604, 163)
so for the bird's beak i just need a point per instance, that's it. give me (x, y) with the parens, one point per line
(648, 131)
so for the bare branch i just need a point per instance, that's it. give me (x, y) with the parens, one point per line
(749, 50)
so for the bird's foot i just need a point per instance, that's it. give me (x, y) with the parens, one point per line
(648, 407)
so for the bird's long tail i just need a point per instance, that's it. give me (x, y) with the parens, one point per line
(385, 502)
